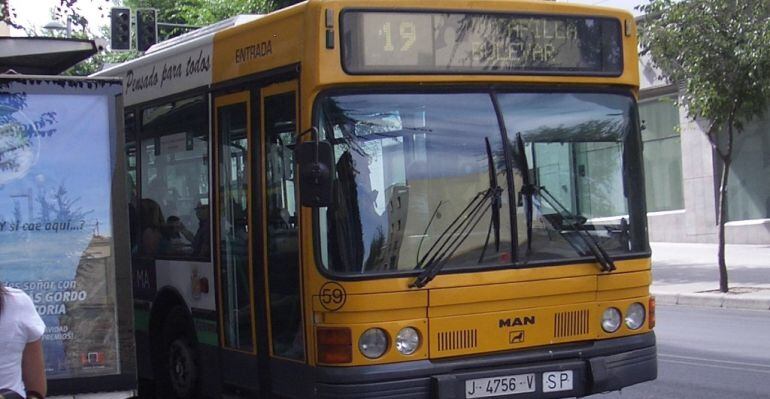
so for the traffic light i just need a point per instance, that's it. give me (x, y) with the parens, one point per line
(120, 22)
(146, 28)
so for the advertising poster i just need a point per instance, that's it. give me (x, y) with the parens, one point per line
(55, 218)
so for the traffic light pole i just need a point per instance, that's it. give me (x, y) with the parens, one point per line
(147, 28)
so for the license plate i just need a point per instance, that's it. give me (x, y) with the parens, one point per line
(498, 386)
(554, 381)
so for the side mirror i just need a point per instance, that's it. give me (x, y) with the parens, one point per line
(315, 159)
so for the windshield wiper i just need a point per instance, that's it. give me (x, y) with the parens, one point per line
(529, 190)
(494, 225)
(605, 261)
(460, 228)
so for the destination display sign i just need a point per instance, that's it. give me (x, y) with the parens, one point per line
(429, 42)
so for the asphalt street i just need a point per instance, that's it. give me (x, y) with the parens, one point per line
(706, 353)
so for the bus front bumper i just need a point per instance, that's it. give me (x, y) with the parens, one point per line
(595, 367)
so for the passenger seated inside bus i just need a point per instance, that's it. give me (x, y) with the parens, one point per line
(177, 239)
(201, 245)
(152, 224)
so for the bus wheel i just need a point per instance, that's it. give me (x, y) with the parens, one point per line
(181, 368)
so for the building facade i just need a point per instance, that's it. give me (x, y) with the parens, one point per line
(683, 173)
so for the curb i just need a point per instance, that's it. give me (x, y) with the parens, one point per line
(726, 301)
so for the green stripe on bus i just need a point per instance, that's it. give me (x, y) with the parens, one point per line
(206, 331)
(208, 338)
(141, 320)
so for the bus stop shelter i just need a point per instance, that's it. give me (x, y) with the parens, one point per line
(42, 55)
(63, 218)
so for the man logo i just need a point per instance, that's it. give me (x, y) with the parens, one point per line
(517, 321)
(516, 337)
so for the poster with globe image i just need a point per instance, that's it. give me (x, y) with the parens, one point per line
(55, 218)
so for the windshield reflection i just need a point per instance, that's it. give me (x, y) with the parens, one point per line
(408, 165)
(582, 163)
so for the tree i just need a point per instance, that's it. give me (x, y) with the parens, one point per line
(717, 52)
(206, 12)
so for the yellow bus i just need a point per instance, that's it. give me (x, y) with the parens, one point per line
(399, 198)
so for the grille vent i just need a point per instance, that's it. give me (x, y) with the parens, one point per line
(568, 324)
(459, 339)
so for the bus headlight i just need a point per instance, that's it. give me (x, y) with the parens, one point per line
(407, 340)
(373, 343)
(611, 320)
(635, 315)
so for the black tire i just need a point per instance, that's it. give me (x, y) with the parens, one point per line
(179, 371)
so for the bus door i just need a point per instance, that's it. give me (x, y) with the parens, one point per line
(281, 243)
(233, 232)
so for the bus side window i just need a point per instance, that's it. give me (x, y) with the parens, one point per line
(173, 169)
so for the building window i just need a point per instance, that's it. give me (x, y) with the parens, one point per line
(748, 188)
(662, 154)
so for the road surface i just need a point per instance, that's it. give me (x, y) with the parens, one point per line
(706, 353)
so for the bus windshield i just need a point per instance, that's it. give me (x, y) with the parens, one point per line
(478, 180)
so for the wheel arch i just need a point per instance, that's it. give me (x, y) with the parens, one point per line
(167, 299)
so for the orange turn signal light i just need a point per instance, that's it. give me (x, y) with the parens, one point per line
(651, 308)
(335, 345)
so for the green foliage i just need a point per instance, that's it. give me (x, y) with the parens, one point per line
(217, 10)
(99, 61)
(718, 51)
(206, 12)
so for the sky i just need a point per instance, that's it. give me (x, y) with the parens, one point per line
(38, 12)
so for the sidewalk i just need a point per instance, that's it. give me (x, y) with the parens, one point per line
(688, 274)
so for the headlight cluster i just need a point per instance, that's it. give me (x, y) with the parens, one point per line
(374, 342)
(612, 318)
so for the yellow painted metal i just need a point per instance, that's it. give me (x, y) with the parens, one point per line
(452, 303)
(494, 334)
(270, 42)
(369, 317)
(479, 317)
(377, 302)
(362, 308)
(484, 332)
(497, 292)
(615, 281)
(502, 305)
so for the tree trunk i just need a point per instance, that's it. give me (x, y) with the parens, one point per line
(723, 286)
(727, 159)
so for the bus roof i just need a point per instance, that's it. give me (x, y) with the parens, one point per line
(188, 62)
